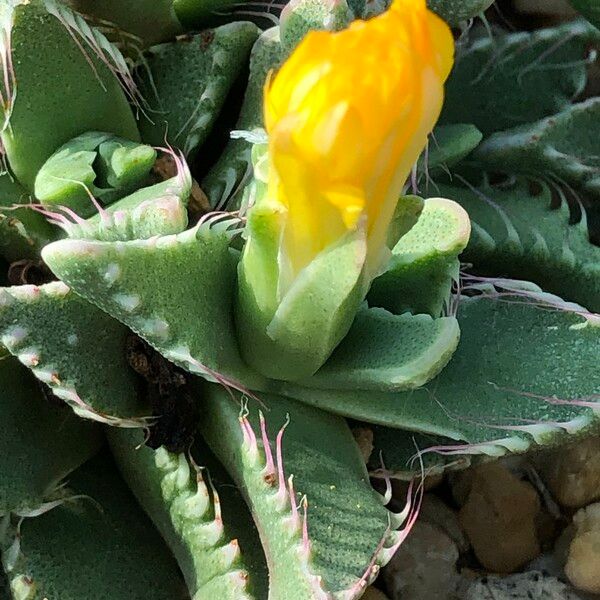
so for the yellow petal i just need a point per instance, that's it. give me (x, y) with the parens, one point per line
(347, 116)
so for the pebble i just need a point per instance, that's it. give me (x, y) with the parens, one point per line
(583, 560)
(499, 516)
(374, 594)
(364, 438)
(572, 474)
(438, 513)
(424, 567)
(521, 586)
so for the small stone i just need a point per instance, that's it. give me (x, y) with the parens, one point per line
(583, 561)
(364, 438)
(374, 594)
(424, 567)
(499, 518)
(522, 586)
(572, 474)
(438, 513)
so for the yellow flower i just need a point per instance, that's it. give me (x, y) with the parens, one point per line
(347, 116)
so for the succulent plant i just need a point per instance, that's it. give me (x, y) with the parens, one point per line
(213, 268)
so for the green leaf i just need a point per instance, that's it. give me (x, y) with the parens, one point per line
(57, 64)
(562, 149)
(23, 232)
(396, 454)
(192, 13)
(186, 83)
(203, 518)
(175, 291)
(75, 348)
(590, 9)
(349, 532)
(514, 78)
(151, 20)
(224, 183)
(40, 441)
(456, 12)
(383, 351)
(298, 17)
(90, 540)
(519, 232)
(524, 374)
(448, 145)
(95, 163)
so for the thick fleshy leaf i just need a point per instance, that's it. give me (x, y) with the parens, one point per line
(22, 231)
(90, 540)
(298, 17)
(562, 149)
(95, 163)
(396, 454)
(192, 13)
(589, 9)
(203, 518)
(176, 292)
(186, 83)
(509, 79)
(151, 20)
(224, 183)
(40, 441)
(75, 348)
(336, 547)
(455, 12)
(448, 145)
(519, 231)
(45, 38)
(383, 351)
(505, 389)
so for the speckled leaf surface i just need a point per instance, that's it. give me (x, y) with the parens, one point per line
(40, 441)
(99, 528)
(75, 348)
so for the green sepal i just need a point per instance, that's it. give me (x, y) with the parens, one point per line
(383, 351)
(424, 263)
(47, 39)
(75, 348)
(40, 441)
(95, 524)
(94, 163)
(295, 339)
